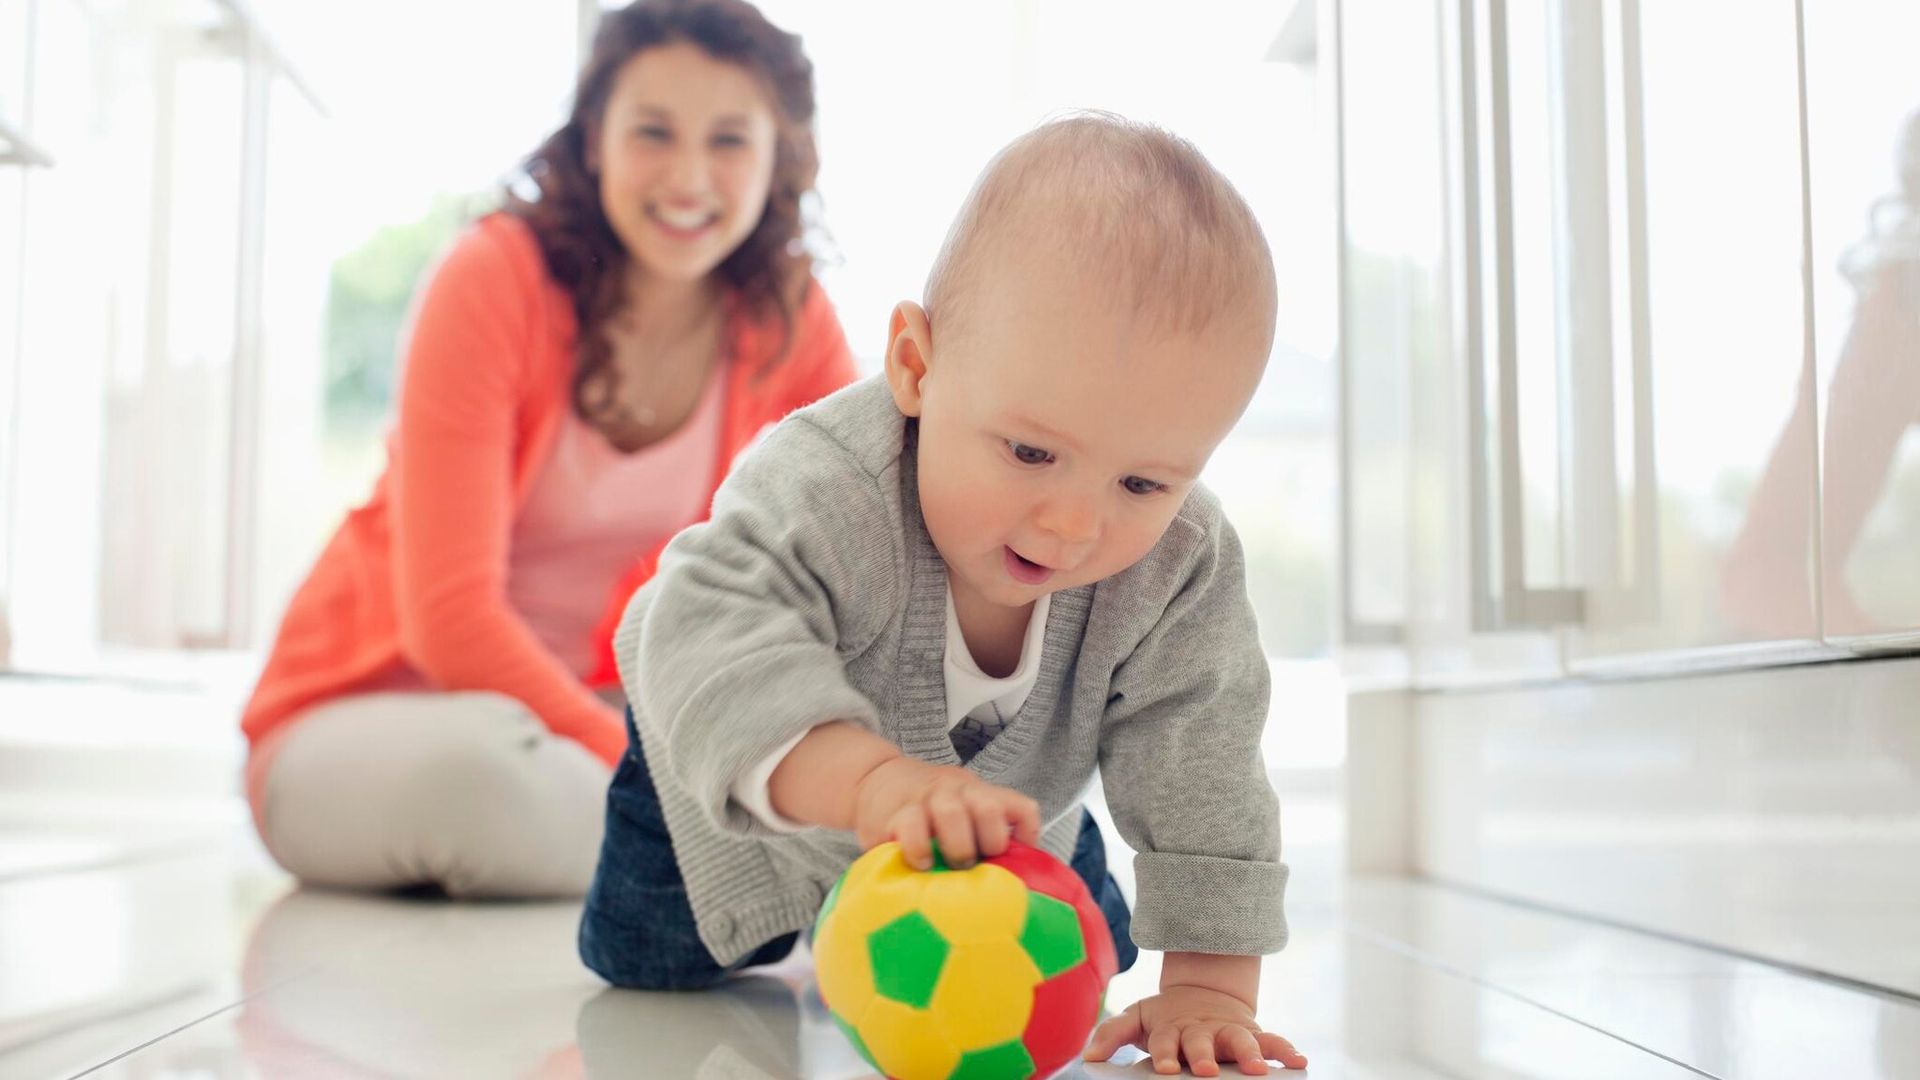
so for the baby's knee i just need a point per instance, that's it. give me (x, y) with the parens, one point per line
(629, 958)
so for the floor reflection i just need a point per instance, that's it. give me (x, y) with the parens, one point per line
(746, 1029)
(1413, 982)
(342, 985)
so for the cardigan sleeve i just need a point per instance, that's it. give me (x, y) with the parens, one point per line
(739, 644)
(1181, 764)
(453, 500)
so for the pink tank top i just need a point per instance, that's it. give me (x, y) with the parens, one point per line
(593, 511)
(590, 514)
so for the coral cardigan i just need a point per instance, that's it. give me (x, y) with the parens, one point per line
(416, 576)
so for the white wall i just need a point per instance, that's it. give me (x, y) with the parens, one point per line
(1772, 812)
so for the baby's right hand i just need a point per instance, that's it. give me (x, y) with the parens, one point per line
(910, 801)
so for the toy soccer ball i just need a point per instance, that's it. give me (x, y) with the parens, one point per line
(990, 972)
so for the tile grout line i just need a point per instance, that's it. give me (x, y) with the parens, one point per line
(229, 1007)
(1429, 960)
(273, 987)
(83, 1019)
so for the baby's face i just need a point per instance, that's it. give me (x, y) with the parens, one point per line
(1058, 439)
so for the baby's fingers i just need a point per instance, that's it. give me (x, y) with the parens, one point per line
(954, 826)
(990, 824)
(1245, 1049)
(912, 830)
(1163, 1042)
(1024, 815)
(1117, 1032)
(1197, 1043)
(1281, 1050)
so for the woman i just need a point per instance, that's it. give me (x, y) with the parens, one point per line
(581, 369)
(1873, 398)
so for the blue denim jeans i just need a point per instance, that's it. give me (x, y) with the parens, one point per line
(638, 931)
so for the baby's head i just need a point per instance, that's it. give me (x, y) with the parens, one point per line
(1096, 322)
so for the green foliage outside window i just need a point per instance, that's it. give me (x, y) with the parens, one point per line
(369, 296)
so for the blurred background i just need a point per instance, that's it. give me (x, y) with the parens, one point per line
(215, 215)
(242, 200)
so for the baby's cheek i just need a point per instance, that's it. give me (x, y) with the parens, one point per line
(1132, 545)
(967, 510)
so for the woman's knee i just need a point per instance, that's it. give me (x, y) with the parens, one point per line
(512, 767)
(502, 817)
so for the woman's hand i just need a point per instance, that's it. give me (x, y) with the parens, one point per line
(915, 803)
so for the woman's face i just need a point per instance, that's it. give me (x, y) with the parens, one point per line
(684, 156)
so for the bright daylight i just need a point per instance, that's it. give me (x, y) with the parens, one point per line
(767, 539)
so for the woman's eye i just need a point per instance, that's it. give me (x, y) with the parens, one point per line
(1028, 455)
(1140, 485)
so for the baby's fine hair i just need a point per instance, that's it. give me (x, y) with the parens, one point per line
(1126, 202)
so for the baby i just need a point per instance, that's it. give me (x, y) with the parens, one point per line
(927, 607)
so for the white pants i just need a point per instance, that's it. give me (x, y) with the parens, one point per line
(467, 791)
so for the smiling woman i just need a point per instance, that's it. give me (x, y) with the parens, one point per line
(676, 180)
(581, 369)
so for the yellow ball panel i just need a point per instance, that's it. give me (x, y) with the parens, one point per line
(985, 996)
(879, 893)
(842, 968)
(881, 857)
(981, 904)
(907, 1043)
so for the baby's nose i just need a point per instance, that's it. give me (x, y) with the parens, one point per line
(1074, 527)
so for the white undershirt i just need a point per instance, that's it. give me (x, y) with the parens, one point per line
(970, 692)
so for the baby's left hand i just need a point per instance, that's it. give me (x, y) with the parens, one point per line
(1198, 1024)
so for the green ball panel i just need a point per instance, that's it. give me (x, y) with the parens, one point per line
(826, 908)
(1052, 935)
(854, 1038)
(907, 955)
(1008, 1061)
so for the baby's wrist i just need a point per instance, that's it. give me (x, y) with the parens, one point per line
(1235, 976)
(818, 781)
(874, 781)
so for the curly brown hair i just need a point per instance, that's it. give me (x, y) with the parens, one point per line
(771, 268)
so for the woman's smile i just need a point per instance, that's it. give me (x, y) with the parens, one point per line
(678, 224)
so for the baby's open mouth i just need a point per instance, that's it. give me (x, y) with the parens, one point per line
(1025, 570)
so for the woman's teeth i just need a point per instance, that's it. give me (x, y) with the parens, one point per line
(683, 219)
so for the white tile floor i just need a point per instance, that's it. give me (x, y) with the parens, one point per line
(149, 938)
(199, 962)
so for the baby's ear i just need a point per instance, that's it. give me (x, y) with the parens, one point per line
(909, 345)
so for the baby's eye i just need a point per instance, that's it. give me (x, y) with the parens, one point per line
(1140, 485)
(653, 133)
(1028, 455)
(729, 142)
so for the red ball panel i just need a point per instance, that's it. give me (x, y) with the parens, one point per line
(1045, 874)
(1100, 954)
(1065, 1008)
